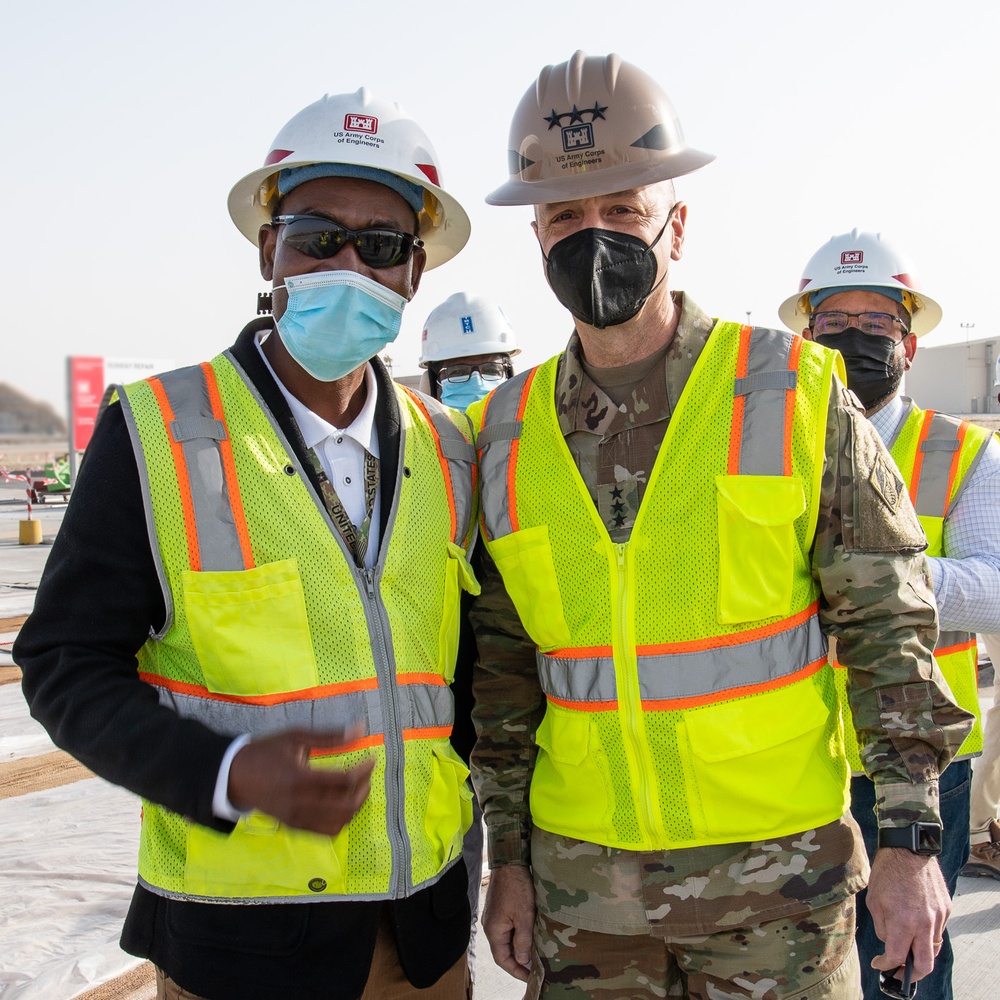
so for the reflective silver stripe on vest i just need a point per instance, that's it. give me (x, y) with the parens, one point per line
(418, 706)
(494, 443)
(699, 673)
(948, 639)
(938, 451)
(762, 450)
(460, 456)
(199, 434)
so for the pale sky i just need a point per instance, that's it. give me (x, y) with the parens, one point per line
(128, 123)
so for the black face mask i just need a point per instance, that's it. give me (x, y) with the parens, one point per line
(601, 276)
(874, 369)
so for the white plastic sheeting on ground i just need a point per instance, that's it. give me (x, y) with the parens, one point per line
(67, 871)
(20, 735)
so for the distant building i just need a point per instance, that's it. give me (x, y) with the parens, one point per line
(21, 415)
(955, 378)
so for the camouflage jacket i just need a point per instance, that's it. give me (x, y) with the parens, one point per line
(876, 599)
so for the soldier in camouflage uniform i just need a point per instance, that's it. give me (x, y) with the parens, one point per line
(772, 916)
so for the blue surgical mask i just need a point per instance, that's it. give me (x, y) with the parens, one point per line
(462, 395)
(335, 321)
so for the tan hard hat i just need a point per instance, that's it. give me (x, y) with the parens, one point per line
(591, 126)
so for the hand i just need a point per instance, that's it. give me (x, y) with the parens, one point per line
(273, 775)
(909, 904)
(509, 917)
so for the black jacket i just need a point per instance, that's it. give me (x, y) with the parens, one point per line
(98, 599)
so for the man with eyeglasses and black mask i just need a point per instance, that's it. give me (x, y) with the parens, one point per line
(678, 511)
(859, 296)
(263, 647)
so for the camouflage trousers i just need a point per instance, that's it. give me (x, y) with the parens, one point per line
(811, 957)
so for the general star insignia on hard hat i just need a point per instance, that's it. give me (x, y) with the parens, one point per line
(887, 483)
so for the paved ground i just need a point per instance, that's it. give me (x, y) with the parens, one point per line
(975, 922)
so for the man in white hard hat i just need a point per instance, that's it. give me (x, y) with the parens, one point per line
(860, 296)
(466, 347)
(679, 510)
(465, 351)
(243, 648)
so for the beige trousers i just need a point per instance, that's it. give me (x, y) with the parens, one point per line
(985, 804)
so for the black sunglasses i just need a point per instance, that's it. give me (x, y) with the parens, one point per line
(322, 238)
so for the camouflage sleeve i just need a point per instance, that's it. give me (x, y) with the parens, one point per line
(878, 602)
(509, 705)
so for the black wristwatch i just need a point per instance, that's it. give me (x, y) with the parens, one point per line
(921, 838)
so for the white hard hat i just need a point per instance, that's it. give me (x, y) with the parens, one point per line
(362, 131)
(590, 126)
(859, 260)
(465, 325)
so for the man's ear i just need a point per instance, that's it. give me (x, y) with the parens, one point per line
(807, 334)
(910, 347)
(677, 223)
(267, 242)
(417, 264)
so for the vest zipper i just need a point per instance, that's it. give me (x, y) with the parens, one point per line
(385, 669)
(630, 703)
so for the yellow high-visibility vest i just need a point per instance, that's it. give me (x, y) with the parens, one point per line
(937, 454)
(271, 625)
(689, 698)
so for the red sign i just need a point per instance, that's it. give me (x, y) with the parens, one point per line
(86, 387)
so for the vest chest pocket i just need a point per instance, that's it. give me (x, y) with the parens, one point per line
(757, 545)
(250, 630)
(524, 559)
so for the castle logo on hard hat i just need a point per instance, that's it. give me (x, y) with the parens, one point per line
(360, 123)
(578, 134)
(852, 257)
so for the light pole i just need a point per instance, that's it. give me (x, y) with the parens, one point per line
(748, 317)
(975, 399)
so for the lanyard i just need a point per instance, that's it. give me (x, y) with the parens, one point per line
(356, 539)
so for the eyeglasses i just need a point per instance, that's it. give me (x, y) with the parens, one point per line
(322, 238)
(492, 371)
(877, 324)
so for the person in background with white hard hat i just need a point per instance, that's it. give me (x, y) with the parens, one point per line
(678, 510)
(256, 666)
(466, 347)
(465, 351)
(859, 296)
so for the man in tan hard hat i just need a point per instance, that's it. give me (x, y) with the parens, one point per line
(263, 645)
(860, 296)
(678, 511)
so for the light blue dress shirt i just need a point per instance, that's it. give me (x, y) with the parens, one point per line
(967, 579)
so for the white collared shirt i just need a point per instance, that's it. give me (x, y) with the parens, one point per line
(341, 452)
